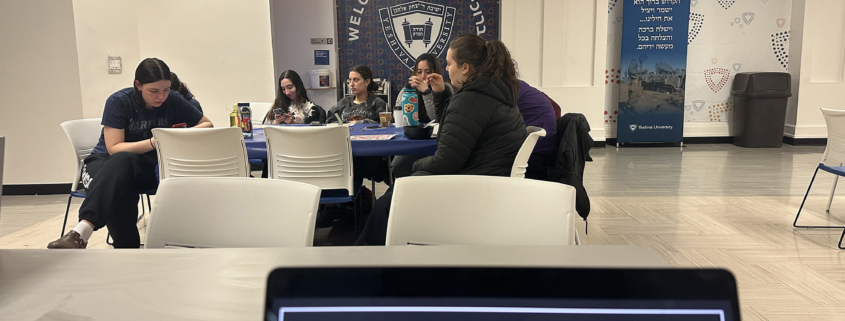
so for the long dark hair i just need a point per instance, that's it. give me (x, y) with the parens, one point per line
(282, 101)
(485, 58)
(150, 70)
(179, 86)
(434, 65)
(366, 73)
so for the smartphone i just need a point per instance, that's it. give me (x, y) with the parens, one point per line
(180, 125)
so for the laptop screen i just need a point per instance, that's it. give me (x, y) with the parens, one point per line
(500, 294)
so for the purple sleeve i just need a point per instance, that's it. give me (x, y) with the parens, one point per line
(537, 111)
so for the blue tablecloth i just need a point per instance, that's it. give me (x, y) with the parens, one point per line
(399, 145)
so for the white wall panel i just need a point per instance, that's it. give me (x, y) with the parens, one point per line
(555, 44)
(828, 49)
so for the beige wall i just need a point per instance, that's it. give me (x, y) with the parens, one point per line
(295, 22)
(40, 89)
(99, 34)
(822, 66)
(55, 55)
(221, 49)
(567, 65)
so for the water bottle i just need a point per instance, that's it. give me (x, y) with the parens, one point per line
(410, 106)
(246, 119)
(234, 117)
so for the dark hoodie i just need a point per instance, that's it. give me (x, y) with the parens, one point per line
(480, 133)
(366, 112)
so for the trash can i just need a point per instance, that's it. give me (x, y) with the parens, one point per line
(760, 108)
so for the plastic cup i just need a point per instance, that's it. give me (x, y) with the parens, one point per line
(385, 118)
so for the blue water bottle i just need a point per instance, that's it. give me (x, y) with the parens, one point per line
(410, 106)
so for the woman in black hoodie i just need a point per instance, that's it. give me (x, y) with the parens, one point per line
(481, 129)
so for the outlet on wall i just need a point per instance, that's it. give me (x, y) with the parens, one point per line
(115, 65)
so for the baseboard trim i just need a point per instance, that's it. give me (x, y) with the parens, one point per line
(804, 141)
(687, 140)
(36, 189)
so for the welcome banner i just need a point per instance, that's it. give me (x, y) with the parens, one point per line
(388, 35)
(653, 64)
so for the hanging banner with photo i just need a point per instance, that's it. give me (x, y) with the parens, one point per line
(653, 63)
(388, 35)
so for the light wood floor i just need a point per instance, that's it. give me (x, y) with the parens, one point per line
(705, 206)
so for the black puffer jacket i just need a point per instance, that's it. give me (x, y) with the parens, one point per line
(481, 131)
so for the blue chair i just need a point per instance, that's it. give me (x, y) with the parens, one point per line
(832, 162)
(84, 134)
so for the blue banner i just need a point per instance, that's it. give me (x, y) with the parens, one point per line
(654, 63)
(389, 35)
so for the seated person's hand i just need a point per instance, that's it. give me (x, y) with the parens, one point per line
(285, 118)
(418, 83)
(436, 83)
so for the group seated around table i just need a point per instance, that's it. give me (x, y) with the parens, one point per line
(482, 110)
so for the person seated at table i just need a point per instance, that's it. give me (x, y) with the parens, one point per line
(182, 89)
(292, 99)
(425, 65)
(481, 128)
(537, 110)
(363, 106)
(123, 163)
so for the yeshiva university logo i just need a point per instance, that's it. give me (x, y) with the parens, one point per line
(415, 28)
(633, 127)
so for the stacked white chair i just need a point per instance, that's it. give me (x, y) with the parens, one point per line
(481, 210)
(232, 212)
(520, 164)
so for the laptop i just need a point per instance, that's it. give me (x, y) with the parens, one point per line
(500, 294)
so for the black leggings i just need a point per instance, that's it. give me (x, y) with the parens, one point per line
(112, 195)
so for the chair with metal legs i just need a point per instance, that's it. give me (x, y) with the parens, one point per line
(84, 134)
(832, 162)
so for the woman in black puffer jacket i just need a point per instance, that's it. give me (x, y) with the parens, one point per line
(481, 129)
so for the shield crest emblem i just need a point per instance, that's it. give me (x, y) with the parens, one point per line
(415, 28)
(633, 127)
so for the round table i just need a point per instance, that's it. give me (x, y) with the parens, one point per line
(400, 145)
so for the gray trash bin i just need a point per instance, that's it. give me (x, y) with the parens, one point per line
(760, 108)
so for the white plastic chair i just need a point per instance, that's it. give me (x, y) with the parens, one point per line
(259, 111)
(201, 152)
(319, 155)
(481, 210)
(520, 164)
(832, 161)
(232, 212)
(84, 134)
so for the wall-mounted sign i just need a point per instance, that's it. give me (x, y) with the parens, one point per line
(321, 57)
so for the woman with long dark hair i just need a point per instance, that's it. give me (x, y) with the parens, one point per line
(292, 100)
(481, 129)
(425, 65)
(122, 165)
(363, 106)
(182, 89)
